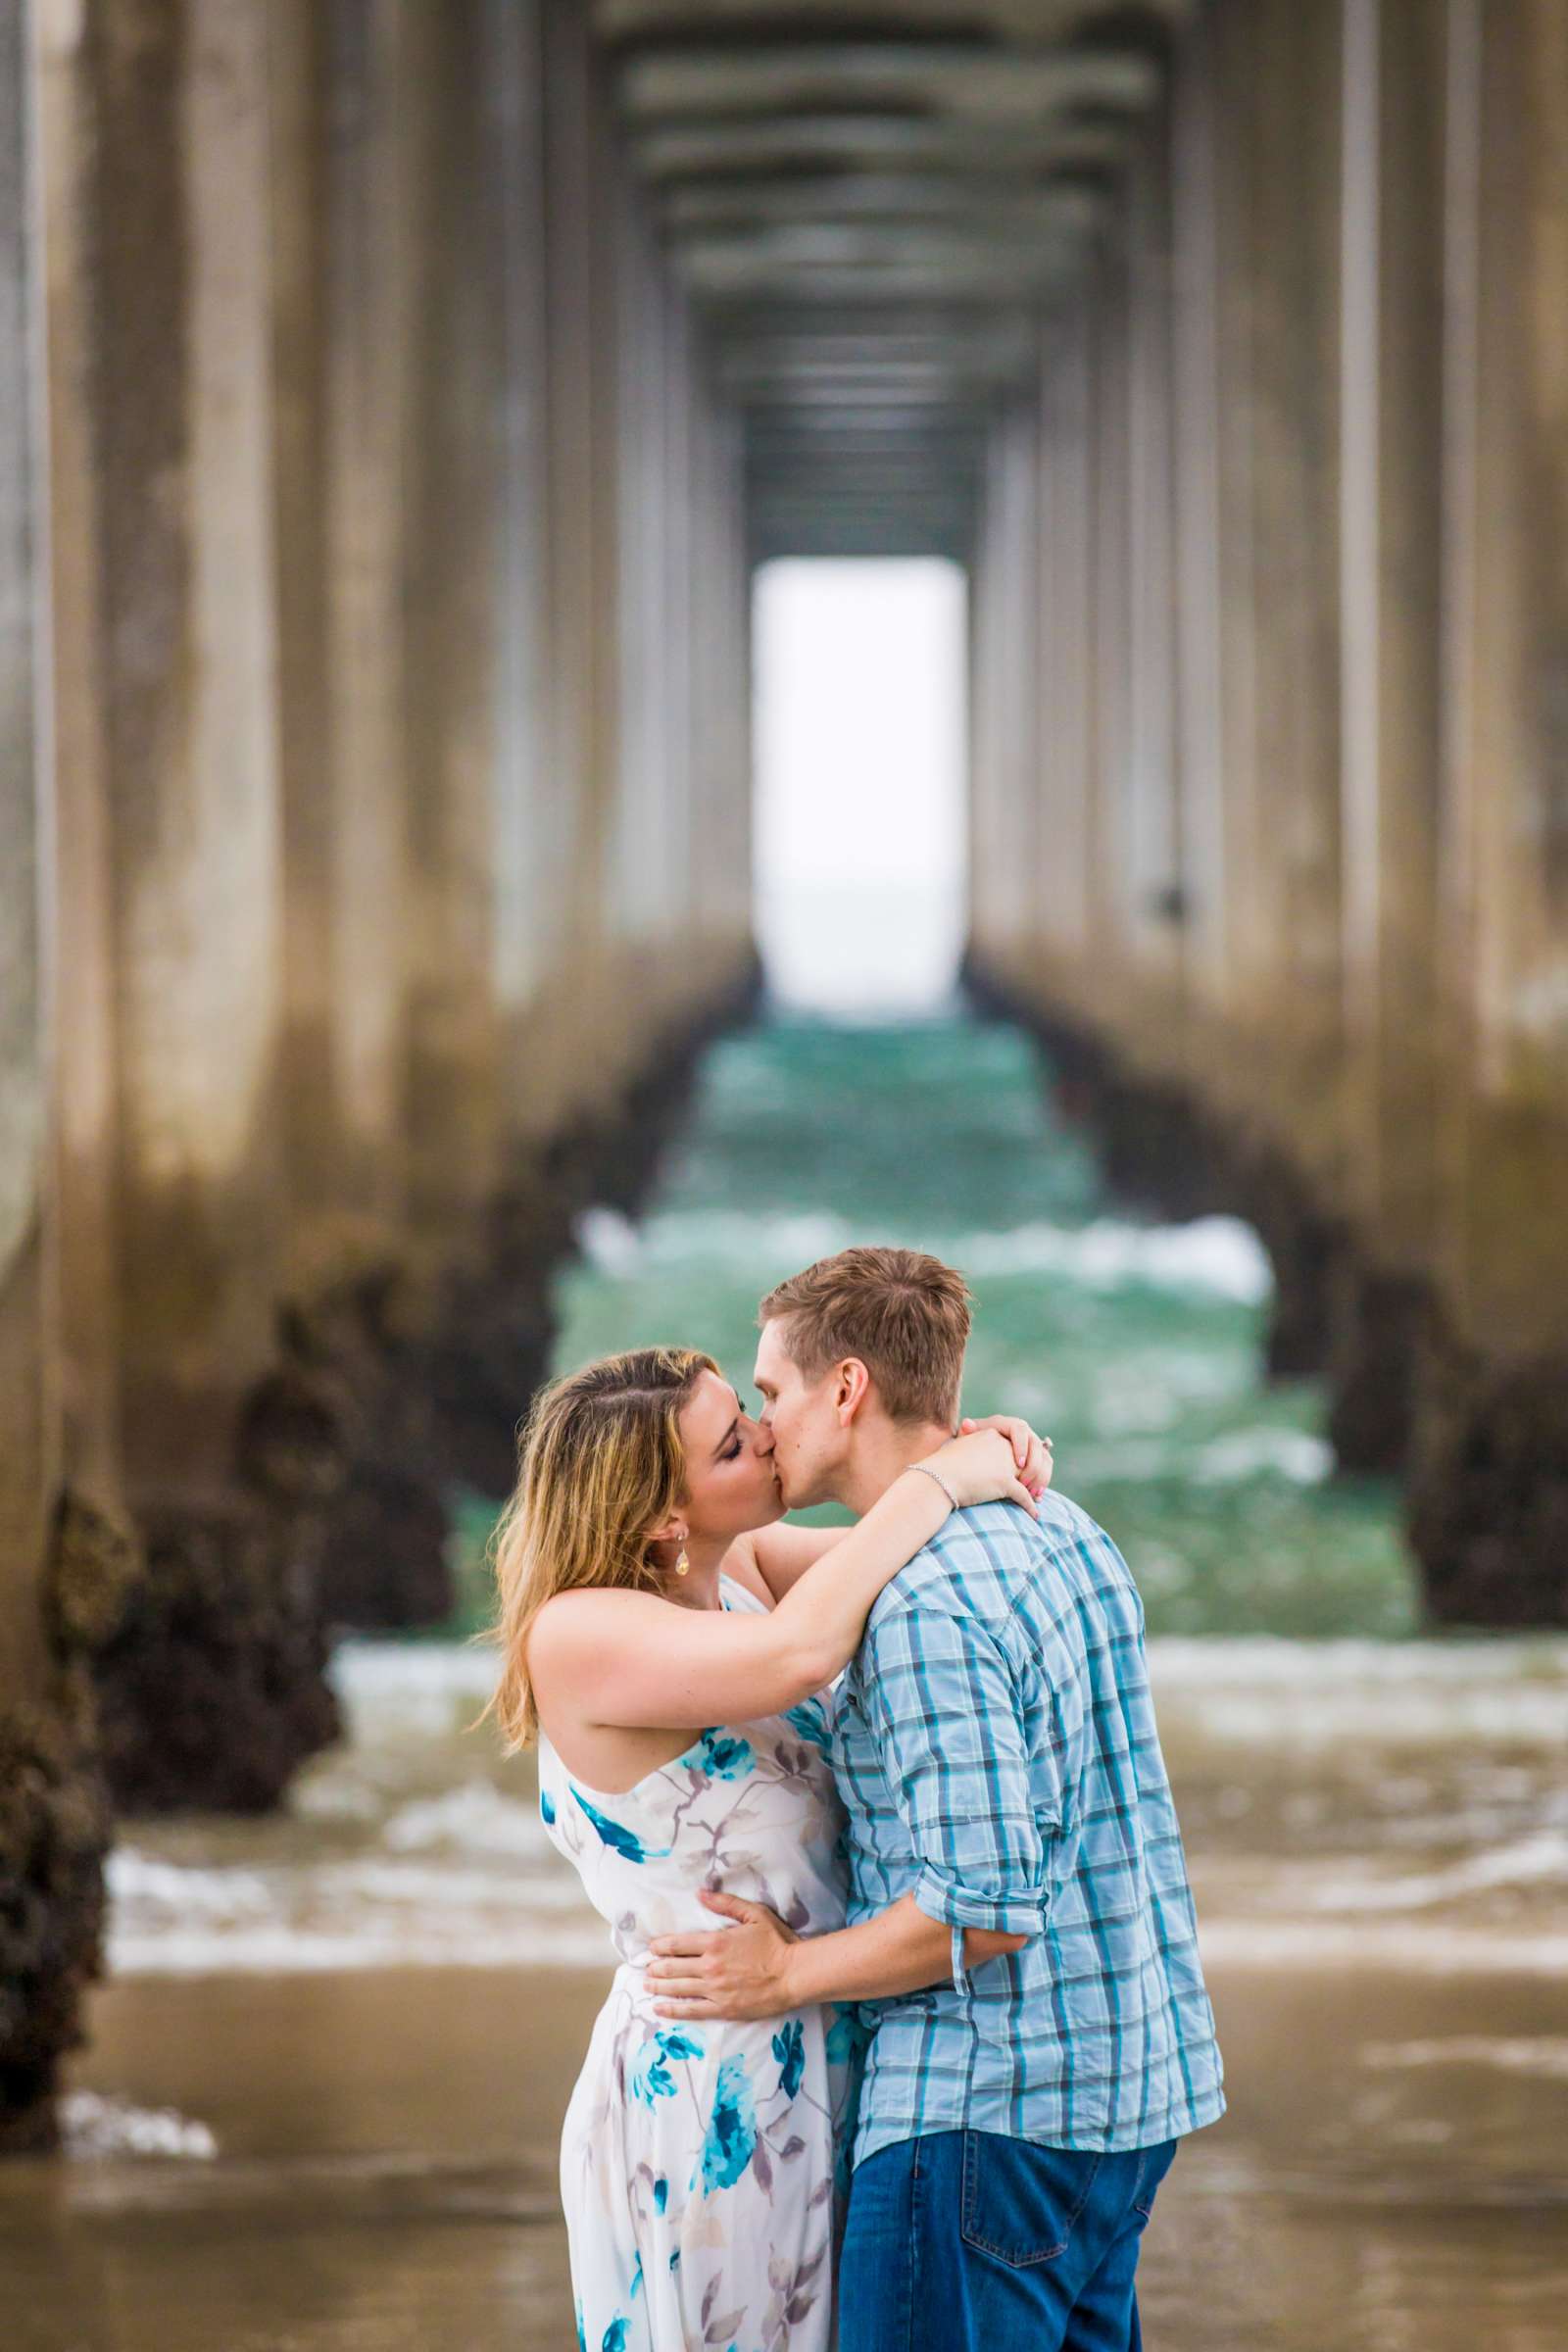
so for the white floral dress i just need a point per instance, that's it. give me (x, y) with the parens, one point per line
(703, 2166)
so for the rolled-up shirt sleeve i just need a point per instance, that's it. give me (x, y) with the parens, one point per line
(980, 1811)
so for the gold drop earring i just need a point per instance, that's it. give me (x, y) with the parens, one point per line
(683, 1566)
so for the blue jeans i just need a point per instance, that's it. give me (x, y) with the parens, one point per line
(968, 2241)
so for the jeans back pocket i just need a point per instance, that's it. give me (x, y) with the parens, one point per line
(1020, 2201)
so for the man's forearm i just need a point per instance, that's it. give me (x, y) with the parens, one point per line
(898, 1950)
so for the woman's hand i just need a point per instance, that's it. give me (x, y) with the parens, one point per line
(1032, 1453)
(981, 1468)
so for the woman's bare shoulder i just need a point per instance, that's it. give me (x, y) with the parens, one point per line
(567, 1621)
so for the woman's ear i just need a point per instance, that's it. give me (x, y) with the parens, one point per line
(673, 1531)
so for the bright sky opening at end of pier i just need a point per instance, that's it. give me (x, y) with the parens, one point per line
(860, 859)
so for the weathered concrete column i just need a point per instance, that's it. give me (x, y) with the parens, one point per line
(680, 867)
(527, 812)
(484, 1231)
(1151, 832)
(1195, 611)
(643, 882)
(985, 808)
(1490, 1507)
(156, 227)
(1007, 823)
(190, 686)
(299, 57)
(1279, 392)
(350, 1409)
(1391, 546)
(79, 921)
(566, 1082)
(54, 1821)
(720, 778)
(1110, 618)
(361, 267)
(598, 1032)
(1066, 556)
(1273, 977)
(447, 698)
(1199, 632)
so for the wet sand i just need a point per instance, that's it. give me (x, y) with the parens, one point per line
(1392, 2175)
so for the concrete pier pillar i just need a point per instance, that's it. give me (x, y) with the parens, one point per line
(1260, 256)
(1489, 1501)
(346, 192)
(1505, 863)
(451, 567)
(580, 487)
(608, 375)
(644, 882)
(54, 1819)
(1390, 645)
(1066, 556)
(1110, 621)
(1279, 232)
(190, 684)
(1152, 909)
(1200, 638)
(298, 58)
(361, 849)
(1013, 810)
(1391, 539)
(169, 880)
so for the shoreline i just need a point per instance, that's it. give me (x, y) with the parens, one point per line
(385, 2150)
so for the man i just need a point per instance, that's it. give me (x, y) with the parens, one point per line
(1019, 1908)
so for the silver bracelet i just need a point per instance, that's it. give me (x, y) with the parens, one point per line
(926, 1471)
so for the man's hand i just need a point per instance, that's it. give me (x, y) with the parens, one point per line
(741, 1972)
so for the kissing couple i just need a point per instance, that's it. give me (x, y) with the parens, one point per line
(910, 2018)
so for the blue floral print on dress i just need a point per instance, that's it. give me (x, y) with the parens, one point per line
(731, 2139)
(810, 1721)
(723, 1755)
(648, 2077)
(619, 1839)
(789, 2048)
(547, 1808)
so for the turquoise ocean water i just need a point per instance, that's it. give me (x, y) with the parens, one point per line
(1134, 1346)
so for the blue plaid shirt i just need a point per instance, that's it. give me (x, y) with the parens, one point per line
(995, 1746)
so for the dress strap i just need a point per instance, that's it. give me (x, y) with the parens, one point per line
(735, 1596)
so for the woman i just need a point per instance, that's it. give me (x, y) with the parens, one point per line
(669, 1647)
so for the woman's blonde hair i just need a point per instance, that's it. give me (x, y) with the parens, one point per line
(602, 1462)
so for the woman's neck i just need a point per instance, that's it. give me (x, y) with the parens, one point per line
(698, 1589)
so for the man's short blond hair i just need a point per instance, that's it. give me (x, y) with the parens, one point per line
(904, 1314)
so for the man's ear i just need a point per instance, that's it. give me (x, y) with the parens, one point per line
(851, 1383)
